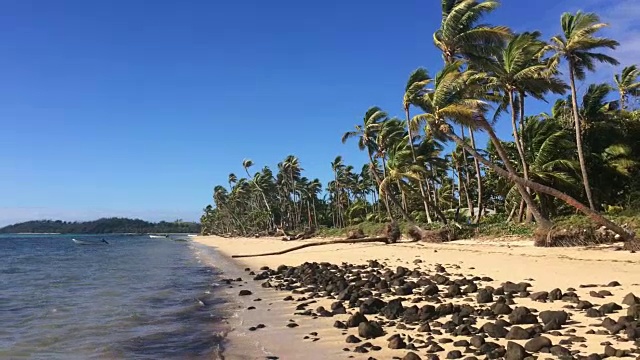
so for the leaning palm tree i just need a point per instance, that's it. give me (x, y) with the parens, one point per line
(367, 135)
(578, 45)
(451, 100)
(459, 35)
(416, 86)
(246, 164)
(627, 84)
(516, 70)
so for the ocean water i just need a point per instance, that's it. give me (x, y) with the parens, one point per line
(137, 298)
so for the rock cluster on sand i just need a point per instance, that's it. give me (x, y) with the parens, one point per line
(463, 313)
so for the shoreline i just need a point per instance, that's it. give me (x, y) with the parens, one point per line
(516, 261)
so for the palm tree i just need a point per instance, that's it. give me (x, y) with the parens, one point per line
(578, 46)
(246, 164)
(459, 36)
(416, 86)
(515, 71)
(232, 180)
(627, 84)
(367, 134)
(451, 100)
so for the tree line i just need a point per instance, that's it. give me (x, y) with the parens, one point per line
(102, 226)
(582, 155)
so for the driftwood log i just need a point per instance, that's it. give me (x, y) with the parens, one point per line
(392, 232)
(318, 243)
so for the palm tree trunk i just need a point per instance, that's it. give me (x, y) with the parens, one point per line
(478, 179)
(594, 215)
(525, 166)
(576, 120)
(466, 177)
(413, 156)
(403, 196)
(516, 138)
(377, 178)
(543, 222)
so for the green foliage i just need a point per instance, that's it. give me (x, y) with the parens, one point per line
(102, 226)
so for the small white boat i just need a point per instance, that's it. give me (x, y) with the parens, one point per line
(158, 236)
(83, 242)
(192, 235)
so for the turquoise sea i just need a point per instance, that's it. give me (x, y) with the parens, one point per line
(136, 298)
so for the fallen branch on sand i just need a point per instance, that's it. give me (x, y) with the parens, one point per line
(318, 243)
(392, 235)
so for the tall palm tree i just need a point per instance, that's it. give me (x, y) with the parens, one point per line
(578, 45)
(516, 70)
(246, 164)
(451, 100)
(416, 86)
(459, 35)
(232, 180)
(367, 134)
(627, 84)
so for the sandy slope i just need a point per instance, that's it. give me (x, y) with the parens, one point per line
(503, 260)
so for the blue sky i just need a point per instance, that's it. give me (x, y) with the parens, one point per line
(138, 108)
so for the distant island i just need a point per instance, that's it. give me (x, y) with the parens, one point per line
(101, 226)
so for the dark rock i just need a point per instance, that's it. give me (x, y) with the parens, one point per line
(555, 294)
(339, 325)
(404, 290)
(560, 351)
(522, 315)
(609, 308)
(595, 294)
(484, 296)
(397, 343)
(494, 331)
(517, 333)
(292, 325)
(501, 309)
(604, 293)
(245, 292)
(630, 299)
(393, 309)
(372, 306)
(560, 317)
(430, 290)
(476, 341)
(454, 354)
(609, 351)
(539, 296)
(370, 329)
(434, 348)
(461, 343)
(583, 305)
(515, 351)
(352, 339)
(593, 313)
(288, 298)
(536, 344)
(551, 326)
(356, 319)
(411, 356)
(471, 288)
(453, 290)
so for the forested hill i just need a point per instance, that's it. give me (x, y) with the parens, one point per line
(102, 226)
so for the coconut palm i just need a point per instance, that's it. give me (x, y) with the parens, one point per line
(578, 45)
(516, 70)
(246, 164)
(367, 134)
(452, 101)
(627, 84)
(459, 35)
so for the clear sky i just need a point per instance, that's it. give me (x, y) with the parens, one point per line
(138, 108)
